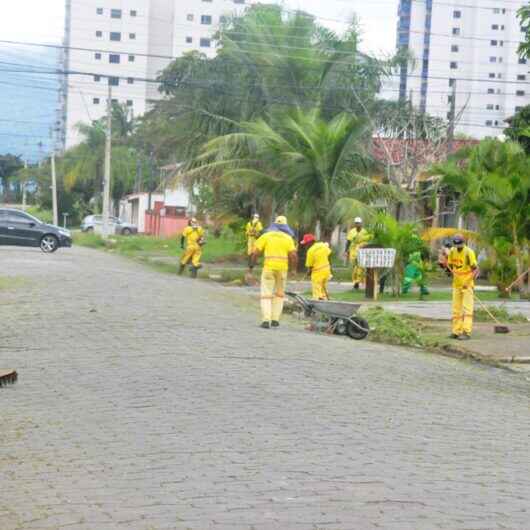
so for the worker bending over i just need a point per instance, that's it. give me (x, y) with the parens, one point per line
(462, 265)
(358, 237)
(192, 240)
(253, 230)
(318, 266)
(279, 252)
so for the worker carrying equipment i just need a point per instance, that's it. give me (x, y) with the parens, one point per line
(415, 274)
(358, 237)
(318, 266)
(462, 265)
(279, 252)
(253, 230)
(192, 240)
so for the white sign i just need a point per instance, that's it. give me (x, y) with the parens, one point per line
(376, 258)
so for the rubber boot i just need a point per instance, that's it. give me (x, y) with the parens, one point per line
(194, 271)
(181, 269)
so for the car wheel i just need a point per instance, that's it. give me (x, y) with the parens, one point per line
(126, 232)
(358, 328)
(89, 229)
(49, 243)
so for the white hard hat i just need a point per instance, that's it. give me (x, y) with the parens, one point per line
(358, 220)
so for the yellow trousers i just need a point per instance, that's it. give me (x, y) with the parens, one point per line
(251, 245)
(272, 294)
(192, 253)
(462, 310)
(319, 285)
(358, 273)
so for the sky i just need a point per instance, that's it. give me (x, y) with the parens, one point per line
(27, 113)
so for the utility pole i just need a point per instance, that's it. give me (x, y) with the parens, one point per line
(106, 181)
(24, 185)
(452, 115)
(54, 193)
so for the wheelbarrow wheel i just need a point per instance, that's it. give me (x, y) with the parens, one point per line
(358, 329)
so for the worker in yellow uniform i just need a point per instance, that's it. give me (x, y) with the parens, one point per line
(253, 230)
(279, 251)
(462, 265)
(357, 238)
(318, 266)
(192, 240)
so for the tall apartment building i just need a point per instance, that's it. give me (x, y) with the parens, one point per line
(468, 47)
(124, 43)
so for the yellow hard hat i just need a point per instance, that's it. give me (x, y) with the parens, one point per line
(281, 220)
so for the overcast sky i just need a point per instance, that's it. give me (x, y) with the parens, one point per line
(43, 20)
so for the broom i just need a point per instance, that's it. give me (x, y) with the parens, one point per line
(8, 377)
(499, 328)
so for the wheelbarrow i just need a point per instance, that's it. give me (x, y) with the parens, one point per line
(333, 317)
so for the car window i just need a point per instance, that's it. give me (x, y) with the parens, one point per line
(19, 217)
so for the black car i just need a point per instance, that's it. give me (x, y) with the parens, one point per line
(20, 229)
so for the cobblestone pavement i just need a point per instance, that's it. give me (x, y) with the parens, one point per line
(149, 402)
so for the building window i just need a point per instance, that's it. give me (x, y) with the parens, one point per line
(517, 109)
(206, 20)
(131, 58)
(99, 11)
(134, 12)
(491, 91)
(189, 40)
(493, 42)
(457, 14)
(97, 78)
(491, 75)
(190, 17)
(521, 77)
(522, 60)
(489, 123)
(132, 36)
(499, 76)
(205, 43)
(495, 26)
(115, 13)
(453, 65)
(452, 82)
(493, 59)
(115, 35)
(99, 34)
(114, 81)
(454, 47)
(114, 58)
(489, 106)
(222, 19)
(456, 31)
(114, 101)
(97, 56)
(95, 101)
(519, 92)
(497, 107)
(130, 81)
(129, 103)
(239, 1)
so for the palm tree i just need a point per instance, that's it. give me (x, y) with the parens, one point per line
(492, 181)
(317, 168)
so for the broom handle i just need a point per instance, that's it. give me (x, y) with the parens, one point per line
(485, 307)
(517, 280)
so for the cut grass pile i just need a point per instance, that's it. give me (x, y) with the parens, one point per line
(402, 330)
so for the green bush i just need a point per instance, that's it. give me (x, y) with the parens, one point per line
(46, 216)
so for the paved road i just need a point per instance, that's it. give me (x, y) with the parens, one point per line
(149, 402)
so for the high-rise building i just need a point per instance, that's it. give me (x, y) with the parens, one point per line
(466, 49)
(125, 44)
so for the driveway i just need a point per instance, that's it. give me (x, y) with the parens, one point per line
(147, 401)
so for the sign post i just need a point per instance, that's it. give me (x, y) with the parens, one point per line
(374, 259)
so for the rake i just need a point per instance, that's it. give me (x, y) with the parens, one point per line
(8, 377)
